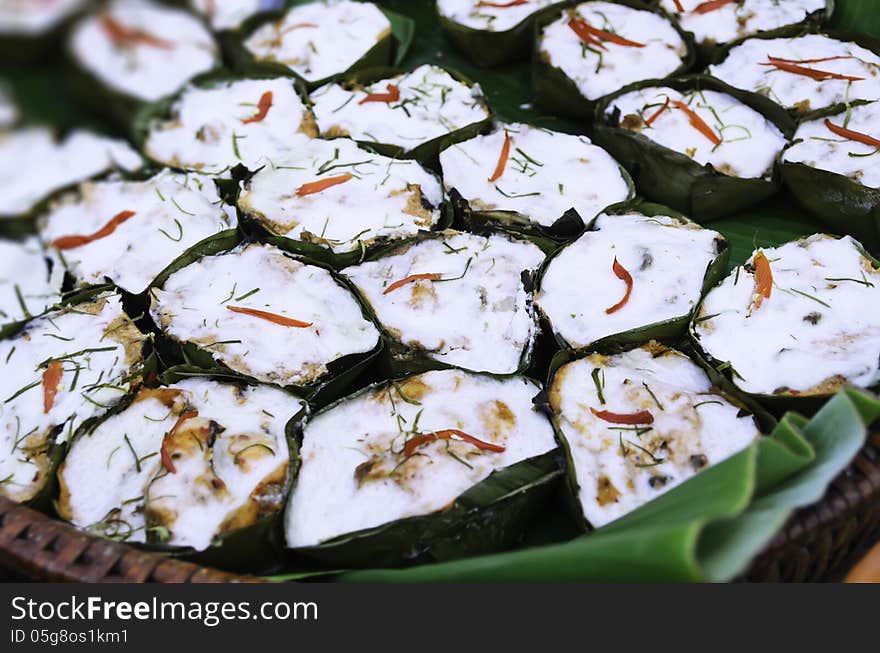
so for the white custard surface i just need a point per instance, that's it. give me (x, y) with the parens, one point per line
(320, 39)
(546, 174)
(666, 259)
(96, 348)
(596, 72)
(747, 142)
(818, 329)
(194, 306)
(355, 473)
(143, 49)
(230, 14)
(34, 18)
(745, 68)
(485, 16)
(687, 426)
(739, 19)
(224, 467)
(481, 321)
(431, 103)
(172, 212)
(815, 145)
(369, 197)
(34, 163)
(211, 129)
(30, 279)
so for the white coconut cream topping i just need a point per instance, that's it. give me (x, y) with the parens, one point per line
(640, 423)
(472, 310)
(406, 110)
(143, 49)
(732, 137)
(736, 20)
(545, 174)
(602, 47)
(342, 197)
(358, 471)
(249, 122)
(59, 371)
(30, 279)
(181, 465)
(35, 17)
(230, 14)
(490, 16)
(810, 72)
(34, 163)
(249, 308)
(129, 231)
(582, 289)
(816, 145)
(320, 39)
(803, 318)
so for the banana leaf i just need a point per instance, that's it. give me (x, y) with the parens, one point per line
(488, 48)
(399, 359)
(557, 93)
(390, 50)
(672, 178)
(22, 49)
(426, 153)
(189, 359)
(667, 331)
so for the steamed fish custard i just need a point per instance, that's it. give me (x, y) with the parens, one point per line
(715, 23)
(803, 74)
(601, 47)
(34, 163)
(59, 371)
(215, 126)
(844, 144)
(410, 449)
(230, 14)
(630, 272)
(342, 198)
(182, 465)
(404, 111)
(143, 50)
(711, 128)
(639, 423)
(534, 173)
(30, 281)
(130, 231)
(30, 19)
(456, 298)
(322, 39)
(802, 319)
(263, 314)
(490, 16)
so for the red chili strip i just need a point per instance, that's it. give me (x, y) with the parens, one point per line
(697, 123)
(429, 276)
(122, 35)
(167, 463)
(641, 417)
(502, 159)
(70, 242)
(763, 278)
(711, 6)
(582, 26)
(393, 95)
(270, 317)
(818, 75)
(448, 434)
(323, 184)
(51, 379)
(621, 273)
(852, 135)
(262, 109)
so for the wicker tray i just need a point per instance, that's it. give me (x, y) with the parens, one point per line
(817, 543)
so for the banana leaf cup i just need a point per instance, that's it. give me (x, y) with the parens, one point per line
(669, 331)
(490, 515)
(487, 48)
(190, 359)
(390, 50)
(400, 358)
(27, 49)
(709, 50)
(841, 202)
(673, 178)
(426, 152)
(251, 547)
(556, 93)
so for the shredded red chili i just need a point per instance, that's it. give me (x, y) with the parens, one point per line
(713, 5)
(582, 27)
(852, 135)
(502, 5)
(632, 419)
(393, 95)
(763, 278)
(502, 159)
(449, 434)
(270, 317)
(428, 276)
(621, 273)
(70, 242)
(167, 463)
(818, 75)
(262, 109)
(696, 122)
(659, 112)
(124, 36)
(51, 379)
(323, 184)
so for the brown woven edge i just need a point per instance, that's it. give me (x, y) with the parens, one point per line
(814, 543)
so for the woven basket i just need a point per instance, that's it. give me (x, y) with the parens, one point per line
(817, 543)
